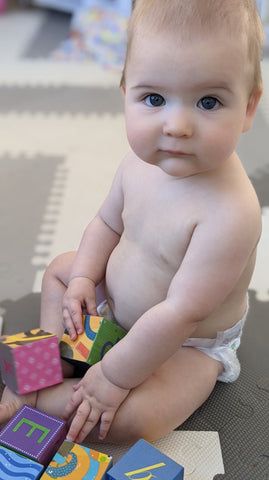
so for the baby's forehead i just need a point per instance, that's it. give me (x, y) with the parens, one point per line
(151, 41)
(203, 63)
(189, 16)
(187, 20)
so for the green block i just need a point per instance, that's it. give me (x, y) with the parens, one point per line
(107, 336)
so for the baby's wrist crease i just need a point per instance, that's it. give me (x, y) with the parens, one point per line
(80, 276)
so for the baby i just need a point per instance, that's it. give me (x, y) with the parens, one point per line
(172, 249)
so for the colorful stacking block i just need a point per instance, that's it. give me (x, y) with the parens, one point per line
(13, 465)
(73, 461)
(30, 361)
(34, 434)
(143, 462)
(98, 337)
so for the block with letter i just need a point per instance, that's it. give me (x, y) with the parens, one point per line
(73, 461)
(98, 337)
(34, 434)
(13, 465)
(143, 461)
(30, 361)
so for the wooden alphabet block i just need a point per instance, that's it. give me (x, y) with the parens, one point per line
(30, 361)
(143, 461)
(98, 337)
(77, 462)
(13, 465)
(34, 434)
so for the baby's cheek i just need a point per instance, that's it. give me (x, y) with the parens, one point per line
(136, 139)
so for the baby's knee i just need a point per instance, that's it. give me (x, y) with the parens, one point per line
(130, 425)
(59, 268)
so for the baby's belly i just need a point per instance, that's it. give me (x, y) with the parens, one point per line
(134, 283)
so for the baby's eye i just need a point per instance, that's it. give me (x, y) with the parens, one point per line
(208, 103)
(154, 100)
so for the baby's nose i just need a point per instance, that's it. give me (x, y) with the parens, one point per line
(178, 123)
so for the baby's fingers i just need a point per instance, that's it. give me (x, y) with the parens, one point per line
(72, 405)
(105, 424)
(84, 421)
(91, 307)
(72, 318)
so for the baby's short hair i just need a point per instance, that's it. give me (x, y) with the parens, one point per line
(189, 17)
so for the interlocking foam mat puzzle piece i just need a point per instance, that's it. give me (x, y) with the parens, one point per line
(198, 452)
(239, 412)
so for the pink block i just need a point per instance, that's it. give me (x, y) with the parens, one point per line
(3, 5)
(30, 361)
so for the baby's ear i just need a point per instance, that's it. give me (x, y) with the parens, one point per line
(251, 110)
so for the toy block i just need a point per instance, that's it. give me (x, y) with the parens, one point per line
(34, 434)
(144, 461)
(30, 361)
(77, 462)
(98, 337)
(13, 465)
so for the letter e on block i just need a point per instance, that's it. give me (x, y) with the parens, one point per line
(34, 434)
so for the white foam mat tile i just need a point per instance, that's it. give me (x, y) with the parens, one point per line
(39, 72)
(198, 452)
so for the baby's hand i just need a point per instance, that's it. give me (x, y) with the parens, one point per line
(95, 399)
(80, 295)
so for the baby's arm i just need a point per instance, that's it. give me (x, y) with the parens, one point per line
(215, 260)
(87, 272)
(99, 240)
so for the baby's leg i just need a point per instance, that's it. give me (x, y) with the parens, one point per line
(167, 398)
(53, 288)
(49, 400)
(11, 403)
(157, 406)
(54, 285)
(154, 408)
(52, 400)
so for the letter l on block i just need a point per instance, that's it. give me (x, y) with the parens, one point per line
(142, 470)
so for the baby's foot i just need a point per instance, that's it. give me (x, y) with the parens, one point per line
(11, 403)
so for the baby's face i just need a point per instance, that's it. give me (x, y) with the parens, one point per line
(186, 103)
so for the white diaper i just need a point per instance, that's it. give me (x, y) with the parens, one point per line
(222, 348)
(104, 310)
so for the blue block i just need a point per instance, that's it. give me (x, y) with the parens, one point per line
(143, 461)
(13, 465)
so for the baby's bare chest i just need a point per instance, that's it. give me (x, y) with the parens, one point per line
(160, 223)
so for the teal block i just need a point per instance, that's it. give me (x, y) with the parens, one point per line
(143, 461)
(13, 465)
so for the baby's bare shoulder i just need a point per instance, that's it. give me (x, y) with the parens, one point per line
(234, 215)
